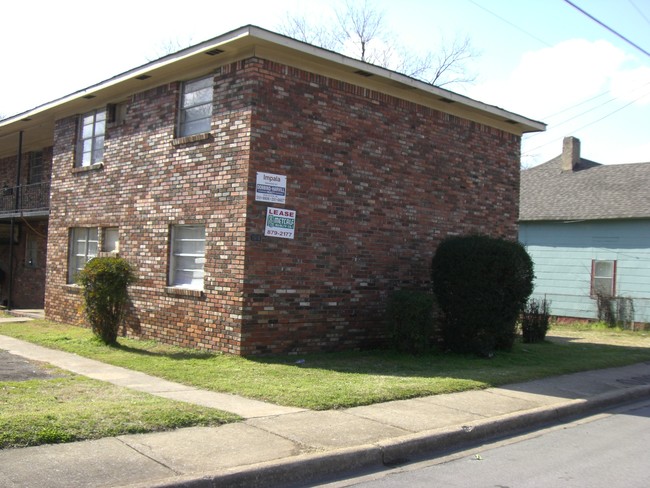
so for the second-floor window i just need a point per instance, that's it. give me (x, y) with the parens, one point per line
(196, 107)
(35, 167)
(90, 144)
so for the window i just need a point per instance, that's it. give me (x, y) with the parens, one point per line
(90, 148)
(116, 113)
(196, 107)
(31, 251)
(603, 278)
(187, 256)
(111, 239)
(35, 167)
(83, 247)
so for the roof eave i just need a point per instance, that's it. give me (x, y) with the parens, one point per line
(251, 40)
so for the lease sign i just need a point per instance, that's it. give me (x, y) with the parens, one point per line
(280, 222)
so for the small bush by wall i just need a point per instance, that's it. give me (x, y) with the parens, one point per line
(105, 281)
(481, 285)
(535, 320)
(410, 318)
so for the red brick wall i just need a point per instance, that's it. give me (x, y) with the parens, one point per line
(148, 183)
(28, 289)
(8, 167)
(376, 183)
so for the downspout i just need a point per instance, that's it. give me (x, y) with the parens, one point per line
(12, 229)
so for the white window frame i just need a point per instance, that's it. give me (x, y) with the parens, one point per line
(603, 271)
(90, 139)
(83, 244)
(196, 106)
(187, 256)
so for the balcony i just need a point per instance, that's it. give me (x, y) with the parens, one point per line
(25, 200)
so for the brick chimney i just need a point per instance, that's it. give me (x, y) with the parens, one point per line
(570, 153)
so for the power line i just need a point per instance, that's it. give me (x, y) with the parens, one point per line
(589, 109)
(546, 117)
(621, 36)
(510, 23)
(639, 10)
(528, 153)
(587, 125)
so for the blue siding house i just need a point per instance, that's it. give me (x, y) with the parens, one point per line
(587, 228)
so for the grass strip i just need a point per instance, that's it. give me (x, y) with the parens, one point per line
(69, 408)
(341, 380)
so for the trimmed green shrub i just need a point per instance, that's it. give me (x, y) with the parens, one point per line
(410, 318)
(535, 320)
(104, 281)
(481, 285)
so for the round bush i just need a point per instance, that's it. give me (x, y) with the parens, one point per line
(104, 281)
(481, 284)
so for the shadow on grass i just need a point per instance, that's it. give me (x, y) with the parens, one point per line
(524, 362)
(180, 355)
(556, 356)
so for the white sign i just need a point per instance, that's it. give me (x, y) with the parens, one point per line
(280, 223)
(271, 188)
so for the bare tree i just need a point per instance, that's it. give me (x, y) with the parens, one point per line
(361, 25)
(299, 28)
(169, 46)
(361, 31)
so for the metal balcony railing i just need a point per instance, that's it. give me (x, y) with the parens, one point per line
(30, 198)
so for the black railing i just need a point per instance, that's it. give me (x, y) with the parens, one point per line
(25, 198)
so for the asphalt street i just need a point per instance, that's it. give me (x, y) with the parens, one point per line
(608, 450)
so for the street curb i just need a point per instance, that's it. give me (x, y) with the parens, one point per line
(308, 467)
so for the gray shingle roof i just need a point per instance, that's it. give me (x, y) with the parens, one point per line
(590, 192)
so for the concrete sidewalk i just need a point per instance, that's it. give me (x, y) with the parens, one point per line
(280, 446)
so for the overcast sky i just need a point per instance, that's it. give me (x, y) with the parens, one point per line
(542, 59)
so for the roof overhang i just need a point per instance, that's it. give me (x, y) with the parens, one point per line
(38, 123)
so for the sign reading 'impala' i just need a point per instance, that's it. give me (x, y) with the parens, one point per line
(270, 188)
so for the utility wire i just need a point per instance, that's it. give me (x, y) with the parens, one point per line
(527, 153)
(546, 44)
(639, 10)
(588, 110)
(510, 23)
(589, 124)
(621, 36)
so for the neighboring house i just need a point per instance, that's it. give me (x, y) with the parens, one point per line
(587, 228)
(270, 194)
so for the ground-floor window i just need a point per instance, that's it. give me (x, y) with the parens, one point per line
(31, 251)
(187, 256)
(603, 278)
(83, 245)
(110, 239)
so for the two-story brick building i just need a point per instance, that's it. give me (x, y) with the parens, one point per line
(270, 194)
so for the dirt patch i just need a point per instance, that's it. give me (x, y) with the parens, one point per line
(610, 337)
(17, 368)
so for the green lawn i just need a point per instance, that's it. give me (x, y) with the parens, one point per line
(340, 380)
(69, 407)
